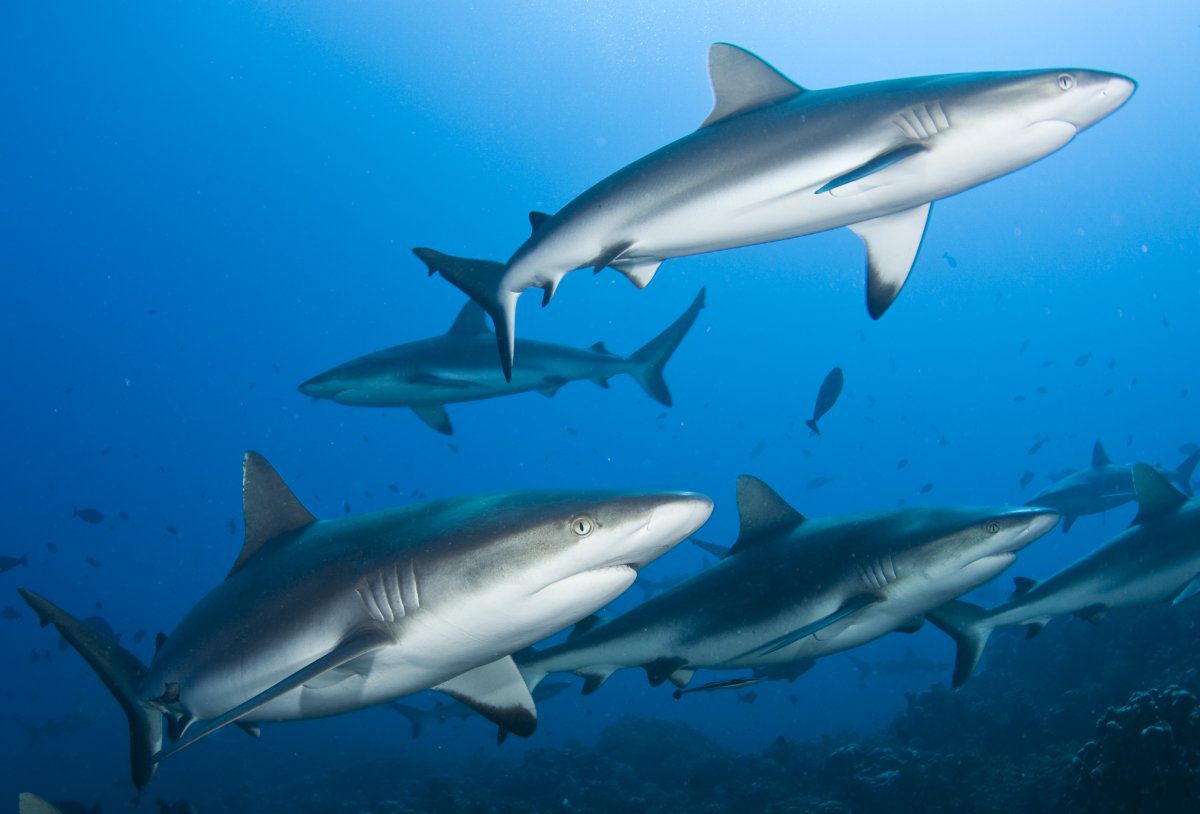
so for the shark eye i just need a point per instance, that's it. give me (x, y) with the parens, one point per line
(993, 527)
(1065, 81)
(582, 526)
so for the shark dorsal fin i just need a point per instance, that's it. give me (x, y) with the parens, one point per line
(762, 512)
(1100, 457)
(1155, 494)
(536, 219)
(268, 506)
(600, 347)
(470, 320)
(742, 82)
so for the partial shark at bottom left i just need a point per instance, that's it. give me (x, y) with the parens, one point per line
(321, 617)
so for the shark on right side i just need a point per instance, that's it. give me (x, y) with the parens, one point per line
(1104, 485)
(1157, 559)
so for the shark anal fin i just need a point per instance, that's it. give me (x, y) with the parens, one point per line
(497, 692)
(268, 506)
(355, 645)
(594, 681)
(435, 416)
(845, 185)
(742, 82)
(892, 243)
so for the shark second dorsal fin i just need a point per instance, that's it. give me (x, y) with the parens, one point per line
(1100, 457)
(762, 513)
(536, 219)
(1155, 494)
(268, 506)
(471, 320)
(742, 82)
(1022, 586)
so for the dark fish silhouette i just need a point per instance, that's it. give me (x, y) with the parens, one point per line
(712, 686)
(950, 261)
(90, 516)
(902, 463)
(10, 613)
(748, 697)
(827, 396)
(1026, 479)
(1038, 444)
(9, 563)
(927, 488)
(819, 481)
(92, 561)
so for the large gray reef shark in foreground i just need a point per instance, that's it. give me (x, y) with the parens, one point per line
(320, 617)
(774, 160)
(793, 590)
(1103, 486)
(1157, 559)
(460, 366)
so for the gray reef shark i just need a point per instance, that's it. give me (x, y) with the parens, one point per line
(774, 160)
(793, 590)
(911, 666)
(320, 617)
(1103, 486)
(1157, 559)
(460, 366)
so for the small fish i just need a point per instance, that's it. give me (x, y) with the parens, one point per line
(90, 516)
(827, 396)
(174, 532)
(870, 400)
(138, 635)
(1018, 397)
(1081, 361)
(793, 699)
(1038, 444)
(123, 515)
(92, 561)
(927, 488)
(727, 684)
(902, 463)
(571, 431)
(748, 697)
(1112, 364)
(452, 447)
(950, 261)
(9, 563)
(34, 658)
(1026, 479)
(393, 488)
(106, 450)
(52, 548)
(10, 613)
(759, 448)
(1024, 346)
(819, 481)
(346, 506)
(1042, 390)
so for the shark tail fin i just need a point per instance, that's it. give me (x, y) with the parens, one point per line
(968, 625)
(811, 423)
(1186, 470)
(121, 672)
(481, 281)
(651, 358)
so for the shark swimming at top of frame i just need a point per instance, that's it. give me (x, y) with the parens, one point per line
(774, 160)
(321, 617)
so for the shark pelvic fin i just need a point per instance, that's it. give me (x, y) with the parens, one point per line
(892, 244)
(868, 177)
(638, 272)
(497, 692)
(268, 507)
(594, 678)
(435, 416)
(1156, 496)
(609, 255)
(911, 625)
(742, 82)
(471, 320)
(352, 647)
(1093, 613)
(1100, 457)
(121, 672)
(481, 281)
(762, 512)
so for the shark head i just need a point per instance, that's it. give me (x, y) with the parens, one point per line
(359, 383)
(960, 549)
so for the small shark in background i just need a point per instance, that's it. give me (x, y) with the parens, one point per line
(793, 590)
(1157, 559)
(775, 160)
(452, 710)
(321, 617)
(911, 666)
(1103, 486)
(460, 366)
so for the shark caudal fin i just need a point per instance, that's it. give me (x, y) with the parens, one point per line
(651, 358)
(480, 280)
(968, 625)
(121, 672)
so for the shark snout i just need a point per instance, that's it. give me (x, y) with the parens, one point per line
(1021, 527)
(669, 519)
(1098, 95)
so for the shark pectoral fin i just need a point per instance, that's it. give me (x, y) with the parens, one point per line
(870, 175)
(269, 508)
(353, 646)
(969, 627)
(435, 416)
(1093, 613)
(911, 625)
(850, 606)
(639, 272)
(892, 243)
(497, 692)
(1188, 591)
(742, 82)
(330, 679)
